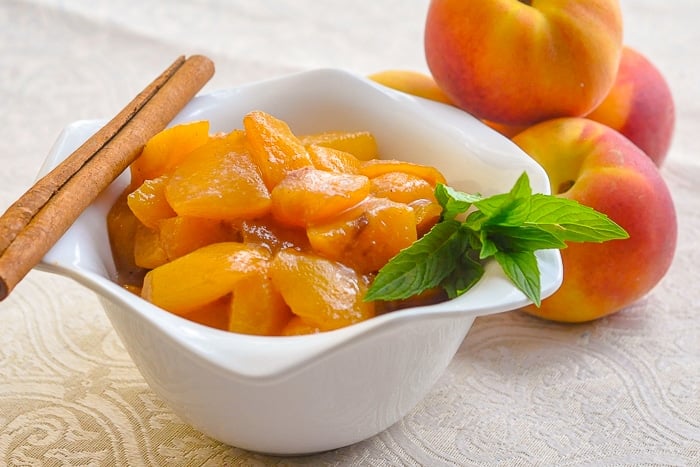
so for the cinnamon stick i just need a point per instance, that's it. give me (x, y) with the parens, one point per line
(35, 222)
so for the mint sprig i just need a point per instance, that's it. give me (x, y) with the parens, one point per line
(507, 228)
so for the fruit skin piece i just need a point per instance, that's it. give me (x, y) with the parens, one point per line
(598, 167)
(640, 106)
(511, 62)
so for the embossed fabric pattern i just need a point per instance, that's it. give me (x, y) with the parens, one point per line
(624, 390)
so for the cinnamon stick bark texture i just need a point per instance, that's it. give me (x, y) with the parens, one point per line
(35, 222)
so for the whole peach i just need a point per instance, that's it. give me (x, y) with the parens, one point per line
(411, 82)
(640, 106)
(598, 167)
(519, 62)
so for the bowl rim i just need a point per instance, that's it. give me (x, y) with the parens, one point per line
(300, 350)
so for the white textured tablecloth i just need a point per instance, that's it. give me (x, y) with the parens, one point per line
(624, 390)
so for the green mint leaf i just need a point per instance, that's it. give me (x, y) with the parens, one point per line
(522, 269)
(521, 189)
(571, 221)
(488, 246)
(510, 208)
(475, 221)
(453, 202)
(421, 266)
(523, 238)
(465, 276)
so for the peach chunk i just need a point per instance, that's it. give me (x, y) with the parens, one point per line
(269, 232)
(221, 182)
(402, 187)
(213, 314)
(180, 235)
(427, 214)
(333, 160)
(367, 236)
(361, 144)
(257, 307)
(148, 250)
(377, 167)
(298, 326)
(167, 149)
(203, 276)
(308, 195)
(121, 226)
(148, 201)
(325, 292)
(273, 146)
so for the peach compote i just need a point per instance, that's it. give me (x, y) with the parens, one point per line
(260, 231)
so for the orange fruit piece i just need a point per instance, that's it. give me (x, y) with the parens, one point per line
(411, 82)
(333, 160)
(257, 307)
(148, 250)
(298, 326)
(180, 235)
(218, 181)
(377, 167)
(309, 195)
(322, 291)
(427, 214)
(272, 234)
(148, 202)
(202, 276)
(121, 227)
(361, 144)
(273, 146)
(402, 187)
(167, 149)
(213, 314)
(367, 236)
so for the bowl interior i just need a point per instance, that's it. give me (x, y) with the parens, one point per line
(473, 157)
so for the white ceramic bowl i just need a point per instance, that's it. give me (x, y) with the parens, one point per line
(294, 395)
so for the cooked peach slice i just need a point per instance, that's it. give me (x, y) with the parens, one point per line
(213, 314)
(203, 276)
(273, 146)
(221, 182)
(298, 326)
(361, 144)
(377, 167)
(257, 307)
(367, 236)
(148, 251)
(180, 235)
(333, 160)
(121, 226)
(309, 195)
(148, 202)
(402, 187)
(167, 149)
(325, 292)
(272, 234)
(427, 214)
